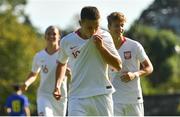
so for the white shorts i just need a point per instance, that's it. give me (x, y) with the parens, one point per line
(100, 105)
(128, 109)
(47, 105)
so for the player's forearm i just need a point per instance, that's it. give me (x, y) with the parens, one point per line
(30, 79)
(27, 111)
(143, 72)
(8, 110)
(146, 69)
(110, 59)
(60, 73)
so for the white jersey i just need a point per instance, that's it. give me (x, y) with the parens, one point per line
(131, 53)
(89, 70)
(46, 64)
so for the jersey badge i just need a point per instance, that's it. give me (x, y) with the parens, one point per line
(127, 54)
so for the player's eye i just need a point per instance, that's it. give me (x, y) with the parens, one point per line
(50, 33)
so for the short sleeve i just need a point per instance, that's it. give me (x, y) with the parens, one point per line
(8, 103)
(26, 101)
(62, 55)
(35, 64)
(141, 54)
(108, 41)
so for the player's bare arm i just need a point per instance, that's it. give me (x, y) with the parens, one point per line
(30, 79)
(145, 70)
(68, 73)
(8, 110)
(107, 56)
(27, 111)
(60, 73)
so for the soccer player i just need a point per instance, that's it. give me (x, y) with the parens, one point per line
(45, 63)
(17, 104)
(90, 51)
(128, 100)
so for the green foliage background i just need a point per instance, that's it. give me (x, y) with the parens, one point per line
(160, 47)
(20, 40)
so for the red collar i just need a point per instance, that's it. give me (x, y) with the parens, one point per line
(78, 33)
(122, 42)
(52, 52)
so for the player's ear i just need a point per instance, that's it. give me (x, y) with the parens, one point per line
(80, 22)
(122, 31)
(45, 36)
(109, 26)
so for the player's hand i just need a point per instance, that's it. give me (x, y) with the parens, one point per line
(127, 76)
(57, 93)
(68, 72)
(98, 41)
(24, 88)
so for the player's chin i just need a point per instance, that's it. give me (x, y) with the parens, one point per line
(118, 32)
(52, 39)
(58, 98)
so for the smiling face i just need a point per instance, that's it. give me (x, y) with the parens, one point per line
(116, 21)
(116, 28)
(52, 35)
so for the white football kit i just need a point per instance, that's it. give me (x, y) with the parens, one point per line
(89, 74)
(128, 99)
(46, 103)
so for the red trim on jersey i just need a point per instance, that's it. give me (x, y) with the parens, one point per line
(53, 52)
(78, 33)
(122, 41)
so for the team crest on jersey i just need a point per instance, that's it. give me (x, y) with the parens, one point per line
(127, 54)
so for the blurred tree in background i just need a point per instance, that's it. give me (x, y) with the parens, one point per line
(18, 43)
(20, 40)
(160, 47)
(157, 29)
(162, 14)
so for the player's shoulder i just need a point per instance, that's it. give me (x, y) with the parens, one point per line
(104, 32)
(105, 35)
(132, 42)
(10, 97)
(40, 54)
(24, 97)
(21, 97)
(68, 37)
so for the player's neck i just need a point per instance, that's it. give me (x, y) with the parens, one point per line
(19, 92)
(82, 34)
(118, 41)
(51, 49)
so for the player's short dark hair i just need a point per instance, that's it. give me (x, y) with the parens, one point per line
(52, 27)
(116, 16)
(16, 87)
(90, 13)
